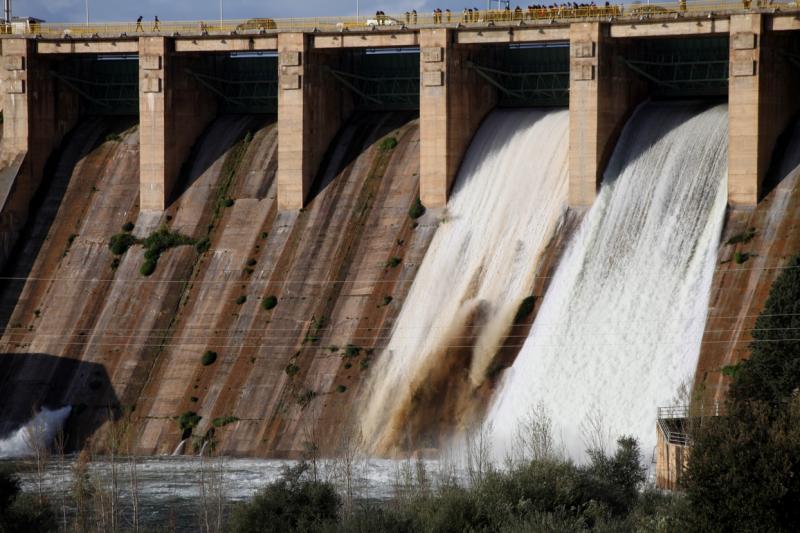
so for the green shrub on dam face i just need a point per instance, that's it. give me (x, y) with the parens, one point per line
(208, 358)
(120, 243)
(269, 302)
(387, 144)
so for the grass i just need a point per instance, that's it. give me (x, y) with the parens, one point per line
(189, 420)
(387, 144)
(292, 370)
(393, 262)
(223, 421)
(416, 210)
(525, 308)
(740, 257)
(208, 358)
(269, 302)
(744, 237)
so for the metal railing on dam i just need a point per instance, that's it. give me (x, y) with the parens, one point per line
(402, 21)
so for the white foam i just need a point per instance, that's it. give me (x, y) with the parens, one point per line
(37, 432)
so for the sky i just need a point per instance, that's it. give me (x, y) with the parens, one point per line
(125, 10)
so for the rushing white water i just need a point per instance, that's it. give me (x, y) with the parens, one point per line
(622, 322)
(508, 197)
(39, 432)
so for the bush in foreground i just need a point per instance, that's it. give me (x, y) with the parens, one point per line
(292, 503)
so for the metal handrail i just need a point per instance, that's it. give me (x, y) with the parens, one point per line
(477, 18)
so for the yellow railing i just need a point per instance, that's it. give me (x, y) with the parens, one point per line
(395, 21)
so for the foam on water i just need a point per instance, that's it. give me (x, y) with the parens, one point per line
(39, 431)
(510, 192)
(621, 325)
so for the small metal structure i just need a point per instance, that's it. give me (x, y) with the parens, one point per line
(106, 85)
(243, 84)
(683, 67)
(383, 81)
(528, 76)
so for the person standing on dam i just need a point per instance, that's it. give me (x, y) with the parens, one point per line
(155, 23)
(139, 24)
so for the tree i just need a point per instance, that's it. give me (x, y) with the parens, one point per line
(292, 503)
(744, 467)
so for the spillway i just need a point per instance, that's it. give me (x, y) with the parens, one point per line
(508, 198)
(621, 325)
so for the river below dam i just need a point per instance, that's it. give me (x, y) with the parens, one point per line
(170, 489)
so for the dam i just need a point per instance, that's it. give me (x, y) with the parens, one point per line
(252, 235)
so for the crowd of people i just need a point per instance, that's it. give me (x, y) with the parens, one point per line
(531, 12)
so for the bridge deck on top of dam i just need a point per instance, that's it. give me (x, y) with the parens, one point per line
(402, 30)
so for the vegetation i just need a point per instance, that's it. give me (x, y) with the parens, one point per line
(740, 257)
(128, 226)
(208, 358)
(189, 420)
(148, 267)
(393, 262)
(223, 421)
(292, 503)
(743, 238)
(113, 137)
(351, 350)
(120, 243)
(21, 512)
(269, 302)
(387, 300)
(292, 369)
(387, 144)
(341, 388)
(314, 329)
(744, 469)
(416, 210)
(241, 299)
(251, 262)
(203, 245)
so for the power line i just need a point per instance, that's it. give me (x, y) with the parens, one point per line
(302, 281)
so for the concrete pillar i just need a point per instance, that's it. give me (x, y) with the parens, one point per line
(37, 113)
(174, 109)
(762, 99)
(603, 93)
(312, 106)
(453, 101)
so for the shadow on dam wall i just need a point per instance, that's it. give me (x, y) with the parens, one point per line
(46, 203)
(33, 381)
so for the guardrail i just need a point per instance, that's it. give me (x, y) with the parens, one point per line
(395, 21)
(673, 420)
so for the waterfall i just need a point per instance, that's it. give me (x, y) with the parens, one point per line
(37, 432)
(621, 325)
(507, 200)
(179, 448)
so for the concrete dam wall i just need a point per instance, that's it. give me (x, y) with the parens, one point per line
(403, 234)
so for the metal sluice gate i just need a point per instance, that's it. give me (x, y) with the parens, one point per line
(243, 84)
(529, 76)
(382, 80)
(106, 85)
(683, 67)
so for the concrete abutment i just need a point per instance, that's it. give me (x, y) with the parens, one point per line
(37, 113)
(174, 109)
(311, 109)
